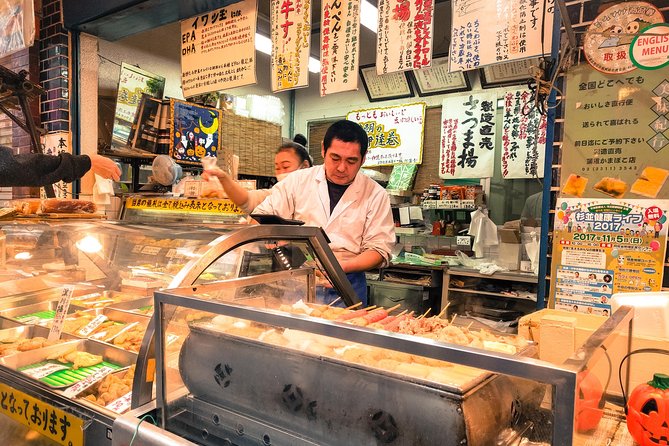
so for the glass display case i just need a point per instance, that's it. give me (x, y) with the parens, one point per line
(76, 300)
(299, 375)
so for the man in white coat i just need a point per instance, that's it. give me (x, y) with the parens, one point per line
(353, 210)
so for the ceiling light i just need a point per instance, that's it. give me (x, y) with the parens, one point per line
(264, 45)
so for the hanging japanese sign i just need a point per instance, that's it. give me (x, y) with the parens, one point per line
(650, 49)
(340, 46)
(291, 42)
(485, 33)
(606, 44)
(55, 144)
(132, 83)
(404, 39)
(468, 136)
(218, 49)
(523, 137)
(395, 133)
(603, 247)
(616, 134)
(195, 131)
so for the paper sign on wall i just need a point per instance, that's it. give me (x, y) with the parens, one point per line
(523, 137)
(468, 136)
(485, 32)
(404, 35)
(218, 49)
(603, 247)
(291, 41)
(395, 133)
(340, 46)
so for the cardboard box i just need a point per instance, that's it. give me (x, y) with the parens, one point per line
(642, 365)
(508, 255)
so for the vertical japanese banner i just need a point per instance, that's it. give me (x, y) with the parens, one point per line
(132, 83)
(218, 49)
(54, 144)
(404, 35)
(523, 137)
(395, 133)
(340, 45)
(616, 134)
(484, 33)
(291, 42)
(17, 21)
(468, 136)
(605, 246)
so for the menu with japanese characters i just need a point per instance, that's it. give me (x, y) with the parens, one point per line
(291, 42)
(405, 35)
(616, 134)
(218, 49)
(602, 247)
(340, 46)
(485, 32)
(395, 133)
(523, 136)
(468, 136)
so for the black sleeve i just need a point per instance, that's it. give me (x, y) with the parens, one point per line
(35, 169)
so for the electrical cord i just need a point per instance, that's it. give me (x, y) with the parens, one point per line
(153, 420)
(658, 351)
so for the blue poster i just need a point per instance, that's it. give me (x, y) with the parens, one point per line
(194, 132)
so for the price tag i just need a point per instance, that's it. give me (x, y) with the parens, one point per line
(54, 423)
(463, 240)
(31, 320)
(151, 250)
(85, 383)
(61, 312)
(121, 404)
(92, 325)
(44, 370)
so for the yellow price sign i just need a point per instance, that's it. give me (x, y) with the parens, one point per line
(56, 424)
(205, 205)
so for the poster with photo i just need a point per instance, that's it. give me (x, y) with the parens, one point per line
(601, 247)
(340, 46)
(485, 33)
(395, 133)
(291, 42)
(523, 136)
(132, 84)
(468, 130)
(405, 35)
(218, 49)
(616, 135)
(195, 131)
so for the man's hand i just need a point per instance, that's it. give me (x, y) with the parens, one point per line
(105, 167)
(215, 172)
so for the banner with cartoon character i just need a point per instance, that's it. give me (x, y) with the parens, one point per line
(194, 132)
(602, 247)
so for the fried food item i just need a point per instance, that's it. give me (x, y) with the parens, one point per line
(111, 387)
(575, 185)
(131, 339)
(77, 358)
(650, 182)
(66, 206)
(613, 187)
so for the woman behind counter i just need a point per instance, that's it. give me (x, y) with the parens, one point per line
(289, 157)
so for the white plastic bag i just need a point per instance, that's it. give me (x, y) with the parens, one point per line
(484, 231)
(211, 188)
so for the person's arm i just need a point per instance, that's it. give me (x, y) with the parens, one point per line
(235, 192)
(105, 167)
(35, 169)
(362, 262)
(378, 237)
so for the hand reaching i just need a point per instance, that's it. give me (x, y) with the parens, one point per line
(105, 167)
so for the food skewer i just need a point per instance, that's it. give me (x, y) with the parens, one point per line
(355, 314)
(354, 306)
(443, 310)
(337, 300)
(424, 314)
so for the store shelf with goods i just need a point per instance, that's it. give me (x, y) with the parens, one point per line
(449, 204)
(503, 296)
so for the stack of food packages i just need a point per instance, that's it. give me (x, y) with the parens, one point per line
(435, 328)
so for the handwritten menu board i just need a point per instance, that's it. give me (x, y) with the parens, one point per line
(523, 137)
(291, 42)
(218, 49)
(340, 46)
(404, 35)
(468, 136)
(395, 133)
(616, 134)
(485, 32)
(606, 246)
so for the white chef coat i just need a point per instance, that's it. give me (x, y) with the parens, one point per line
(361, 221)
(255, 198)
